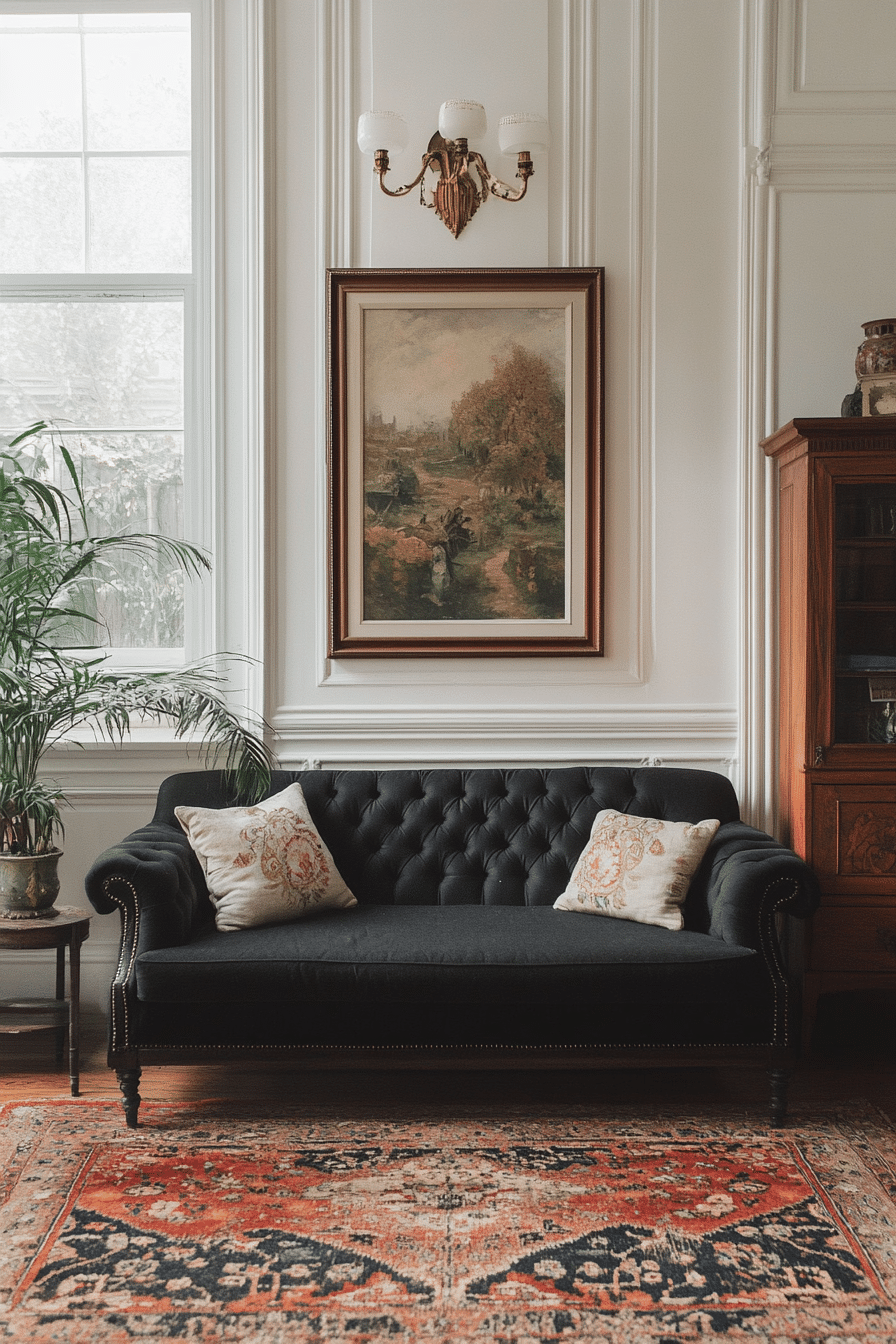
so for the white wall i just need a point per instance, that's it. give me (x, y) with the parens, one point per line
(620, 189)
(731, 166)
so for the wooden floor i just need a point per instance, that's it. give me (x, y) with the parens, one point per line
(853, 1057)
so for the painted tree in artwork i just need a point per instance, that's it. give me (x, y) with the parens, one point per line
(512, 426)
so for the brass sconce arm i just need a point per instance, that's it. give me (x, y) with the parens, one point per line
(500, 189)
(456, 196)
(381, 168)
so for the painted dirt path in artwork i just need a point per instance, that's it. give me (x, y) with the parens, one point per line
(507, 598)
(442, 493)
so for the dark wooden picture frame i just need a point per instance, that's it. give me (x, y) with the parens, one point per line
(465, 462)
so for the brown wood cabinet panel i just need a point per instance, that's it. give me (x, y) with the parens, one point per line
(854, 937)
(854, 837)
(837, 657)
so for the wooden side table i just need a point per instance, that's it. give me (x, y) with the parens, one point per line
(67, 929)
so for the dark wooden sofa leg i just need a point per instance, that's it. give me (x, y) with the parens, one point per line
(129, 1081)
(779, 1079)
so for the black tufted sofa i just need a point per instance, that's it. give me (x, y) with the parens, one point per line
(454, 955)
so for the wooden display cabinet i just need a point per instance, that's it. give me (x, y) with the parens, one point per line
(837, 737)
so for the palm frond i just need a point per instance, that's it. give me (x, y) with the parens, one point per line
(52, 681)
(191, 701)
(19, 489)
(143, 545)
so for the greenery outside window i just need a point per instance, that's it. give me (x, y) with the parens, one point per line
(106, 268)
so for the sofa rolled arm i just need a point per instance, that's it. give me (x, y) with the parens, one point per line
(152, 875)
(151, 878)
(753, 878)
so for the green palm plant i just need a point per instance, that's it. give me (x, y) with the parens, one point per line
(55, 678)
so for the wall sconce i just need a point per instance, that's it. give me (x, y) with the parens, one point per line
(456, 197)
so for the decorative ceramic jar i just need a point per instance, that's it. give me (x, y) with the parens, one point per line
(29, 885)
(876, 367)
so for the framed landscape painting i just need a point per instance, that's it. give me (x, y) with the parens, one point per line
(465, 462)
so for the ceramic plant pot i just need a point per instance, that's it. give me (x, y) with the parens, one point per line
(29, 885)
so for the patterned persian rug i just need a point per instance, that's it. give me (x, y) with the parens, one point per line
(608, 1225)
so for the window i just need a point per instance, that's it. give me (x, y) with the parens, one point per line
(100, 295)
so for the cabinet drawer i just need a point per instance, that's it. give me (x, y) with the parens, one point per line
(854, 838)
(853, 938)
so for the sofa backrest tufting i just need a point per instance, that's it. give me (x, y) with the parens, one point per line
(469, 837)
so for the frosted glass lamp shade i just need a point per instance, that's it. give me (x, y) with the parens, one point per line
(521, 131)
(382, 130)
(462, 120)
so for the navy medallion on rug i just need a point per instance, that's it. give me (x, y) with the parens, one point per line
(209, 1224)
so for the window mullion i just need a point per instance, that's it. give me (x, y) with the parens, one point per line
(85, 186)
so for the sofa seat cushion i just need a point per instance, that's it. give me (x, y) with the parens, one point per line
(449, 954)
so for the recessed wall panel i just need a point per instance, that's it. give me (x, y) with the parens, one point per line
(493, 52)
(846, 48)
(835, 271)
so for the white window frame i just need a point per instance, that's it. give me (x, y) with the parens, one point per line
(224, 326)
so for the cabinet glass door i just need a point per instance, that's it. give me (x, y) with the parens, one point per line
(865, 613)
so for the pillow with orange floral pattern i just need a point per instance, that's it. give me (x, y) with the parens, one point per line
(637, 868)
(264, 864)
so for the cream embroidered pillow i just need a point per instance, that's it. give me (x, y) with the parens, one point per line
(637, 868)
(264, 864)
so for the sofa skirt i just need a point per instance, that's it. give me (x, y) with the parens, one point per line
(281, 1025)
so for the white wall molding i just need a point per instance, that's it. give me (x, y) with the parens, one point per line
(336, 137)
(799, 86)
(575, 107)
(102, 773)
(242, 323)
(481, 734)
(848, 165)
(255, 341)
(203, 309)
(756, 706)
(374, 733)
(333, 247)
(643, 254)
(534, 673)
